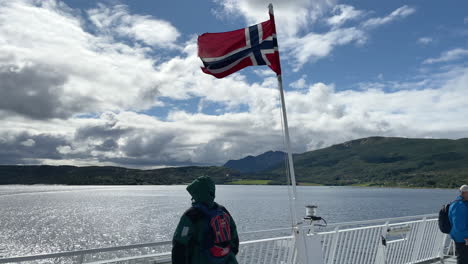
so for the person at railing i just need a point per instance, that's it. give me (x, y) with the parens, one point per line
(458, 215)
(206, 232)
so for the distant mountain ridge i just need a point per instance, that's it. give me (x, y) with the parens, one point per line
(381, 161)
(107, 175)
(262, 162)
(373, 161)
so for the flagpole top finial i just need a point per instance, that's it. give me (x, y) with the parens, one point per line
(270, 8)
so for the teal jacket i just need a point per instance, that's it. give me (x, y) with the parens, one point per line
(458, 215)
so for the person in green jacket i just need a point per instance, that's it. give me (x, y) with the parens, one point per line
(206, 233)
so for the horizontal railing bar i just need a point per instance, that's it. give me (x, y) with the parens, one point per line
(82, 252)
(266, 230)
(396, 241)
(381, 220)
(265, 240)
(132, 258)
(374, 226)
(347, 223)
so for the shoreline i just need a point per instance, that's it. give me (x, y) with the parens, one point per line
(244, 183)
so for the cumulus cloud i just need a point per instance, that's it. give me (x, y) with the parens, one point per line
(299, 83)
(319, 116)
(117, 19)
(313, 46)
(73, 69)
(296, 20)
(291, 16)
(77, 101)
(342, 14)
(24, 148)
(37, 91)
(450, 55)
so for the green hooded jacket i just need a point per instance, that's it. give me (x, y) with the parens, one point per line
(190, 232)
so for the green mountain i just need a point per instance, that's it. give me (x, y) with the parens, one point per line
(374, 161)
(258, 163)
(381, 161)
(108, 175)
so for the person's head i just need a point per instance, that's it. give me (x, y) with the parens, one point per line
(464, 192)
(203, 190)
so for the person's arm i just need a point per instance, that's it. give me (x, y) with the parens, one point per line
(234, 235)
(181, 241)
(460, 219)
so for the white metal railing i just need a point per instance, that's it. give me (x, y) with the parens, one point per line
(391, 241)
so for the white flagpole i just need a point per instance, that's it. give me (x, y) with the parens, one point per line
(300, 242)
(287, 141)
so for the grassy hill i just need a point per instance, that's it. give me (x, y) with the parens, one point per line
(258, 163)
(375, 161)
(380, 161)
(108, 175)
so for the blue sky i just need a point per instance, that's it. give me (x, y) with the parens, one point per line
(118, 82)
(393, 51)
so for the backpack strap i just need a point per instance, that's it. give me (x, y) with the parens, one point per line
(224, 209)
(194, 214)
(235, 242)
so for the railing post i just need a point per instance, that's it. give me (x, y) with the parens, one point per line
(418, 242)
(334, 244)
(442, 248)
(381, 256)
(80, 259)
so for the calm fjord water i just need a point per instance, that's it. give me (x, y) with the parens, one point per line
(42, 219)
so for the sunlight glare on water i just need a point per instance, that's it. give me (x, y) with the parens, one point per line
(46, 219)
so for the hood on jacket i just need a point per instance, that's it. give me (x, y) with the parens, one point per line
(202, 190)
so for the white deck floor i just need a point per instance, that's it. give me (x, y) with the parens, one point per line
(451, 260)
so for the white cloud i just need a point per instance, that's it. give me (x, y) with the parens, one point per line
(264, 72)
(117, 19)
(465, 20)
(300, 83)
(291, 16)
(319, 116)
(55, 53)
(447, 56)
(343, 13)
(312, 46)
(91, 73)
(425, 40)
(399, 13)
(296, 20)
(28, 143)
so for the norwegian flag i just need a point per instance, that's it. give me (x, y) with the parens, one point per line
(227, 52)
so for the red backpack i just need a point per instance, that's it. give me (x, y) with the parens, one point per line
(216, 244)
